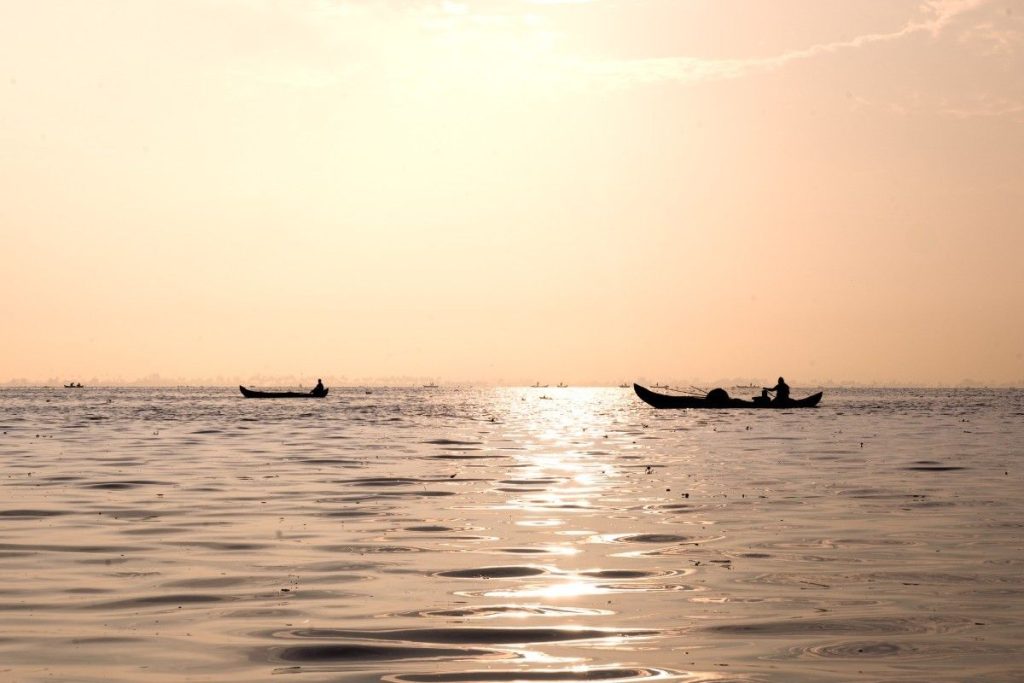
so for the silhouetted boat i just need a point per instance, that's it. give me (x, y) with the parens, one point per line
(73, 386)
(718, 401)
(249, 393)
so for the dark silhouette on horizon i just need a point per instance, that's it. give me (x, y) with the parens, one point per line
(319, 391)
(719, 398)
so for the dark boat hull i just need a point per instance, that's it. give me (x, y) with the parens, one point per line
(657, 400)
(249, 393)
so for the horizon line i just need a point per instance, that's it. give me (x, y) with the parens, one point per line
(963, 384)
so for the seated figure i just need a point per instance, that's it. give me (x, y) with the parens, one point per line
(781, 392)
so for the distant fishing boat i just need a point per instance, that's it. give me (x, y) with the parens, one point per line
(538, 385)
(562, 386)
(249, 393)
(430, 386)
(73, 386)
(623, 386)
(718, 399)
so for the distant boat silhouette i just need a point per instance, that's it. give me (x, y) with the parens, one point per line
(73, 386)
(430, 386)
(249, 393)
(538, 385)
(623, 386)
(562, 386)
(719, 400)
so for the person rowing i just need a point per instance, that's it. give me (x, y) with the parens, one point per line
(781, 392)
(318, 390)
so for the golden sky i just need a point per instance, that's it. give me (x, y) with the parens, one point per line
(513, 191)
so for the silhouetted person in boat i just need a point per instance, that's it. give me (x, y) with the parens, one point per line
(781, 392)
(319, 388)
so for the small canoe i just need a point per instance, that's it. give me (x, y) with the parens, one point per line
(249, 393)
(657, 400)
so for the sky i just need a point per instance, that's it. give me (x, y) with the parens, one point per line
(511, 191)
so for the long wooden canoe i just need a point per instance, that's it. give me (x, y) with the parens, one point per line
(669, 401)
(249, 393)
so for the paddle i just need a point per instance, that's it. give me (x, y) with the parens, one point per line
(689, 392)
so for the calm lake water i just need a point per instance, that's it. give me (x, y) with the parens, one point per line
(499, 535)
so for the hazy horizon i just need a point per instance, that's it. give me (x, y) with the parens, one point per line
(513, 191)
(341, 382)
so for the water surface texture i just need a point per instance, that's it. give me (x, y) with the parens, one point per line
(499, 535)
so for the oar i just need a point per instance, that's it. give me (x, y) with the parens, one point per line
(688, 392)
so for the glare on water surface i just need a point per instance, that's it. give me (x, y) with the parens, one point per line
(503, 534)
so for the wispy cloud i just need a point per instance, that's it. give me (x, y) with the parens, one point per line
(439, 48)
(991, 107)
(938, 14)
(997, 40)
